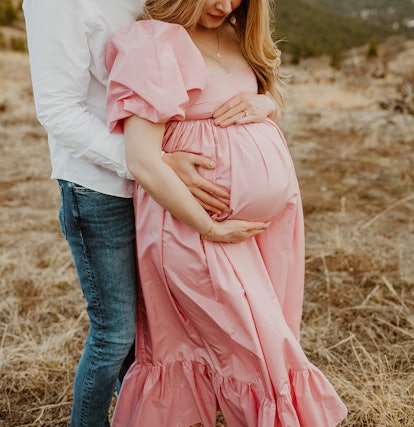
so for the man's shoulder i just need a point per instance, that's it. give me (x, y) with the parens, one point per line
(109, 13)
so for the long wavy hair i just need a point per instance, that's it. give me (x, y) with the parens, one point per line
(251, 21)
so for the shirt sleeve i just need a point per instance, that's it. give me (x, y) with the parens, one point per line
(59, 62)
(155, 72)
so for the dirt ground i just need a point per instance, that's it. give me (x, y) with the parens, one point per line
(354, 161)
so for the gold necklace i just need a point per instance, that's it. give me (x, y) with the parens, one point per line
(209, 45)
(218, 54)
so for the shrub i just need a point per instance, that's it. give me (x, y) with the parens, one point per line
(18, 44)
(8, 14)
(372, 49)
(3, 43)
(337, 56)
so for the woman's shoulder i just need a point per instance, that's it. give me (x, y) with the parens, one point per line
(155, 42)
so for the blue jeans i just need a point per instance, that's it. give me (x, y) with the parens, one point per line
(101, 234)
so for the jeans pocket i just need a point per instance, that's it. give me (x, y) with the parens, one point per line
(79, 189)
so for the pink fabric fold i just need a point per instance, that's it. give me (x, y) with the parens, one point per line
(146, 384)
(326, 411)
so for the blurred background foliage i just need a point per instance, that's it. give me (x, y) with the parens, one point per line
(305, 28)
(328, 27)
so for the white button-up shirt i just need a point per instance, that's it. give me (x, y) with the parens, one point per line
(67, 40)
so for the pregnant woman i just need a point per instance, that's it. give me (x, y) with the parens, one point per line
(221, 304)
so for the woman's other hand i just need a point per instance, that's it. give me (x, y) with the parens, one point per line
(211, 197)
(234, 230)
(245, 108)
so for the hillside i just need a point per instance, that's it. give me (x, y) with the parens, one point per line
(312, 30)
(397, 15)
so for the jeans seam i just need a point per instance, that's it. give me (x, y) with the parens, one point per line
(87, 384)
(62, 216)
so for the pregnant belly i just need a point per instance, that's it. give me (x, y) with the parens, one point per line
(253, 164)
(262, 175)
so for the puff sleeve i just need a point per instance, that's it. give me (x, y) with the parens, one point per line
(155, 72)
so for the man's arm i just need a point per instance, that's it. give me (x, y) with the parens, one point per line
(60, 61)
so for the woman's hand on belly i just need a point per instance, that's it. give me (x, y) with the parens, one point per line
(244, 108)
(234, 230)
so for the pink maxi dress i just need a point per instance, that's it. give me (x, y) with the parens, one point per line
(218, 324)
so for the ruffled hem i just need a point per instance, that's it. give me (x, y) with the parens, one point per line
(180, 394)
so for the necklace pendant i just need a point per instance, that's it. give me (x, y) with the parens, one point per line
(218, 54)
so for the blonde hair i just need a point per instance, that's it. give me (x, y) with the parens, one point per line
(252, 24)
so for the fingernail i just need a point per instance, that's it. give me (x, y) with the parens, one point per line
(211, 164)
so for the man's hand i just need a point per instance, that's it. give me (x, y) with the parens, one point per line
(211, 197)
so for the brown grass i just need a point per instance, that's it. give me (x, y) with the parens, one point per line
(355, 167)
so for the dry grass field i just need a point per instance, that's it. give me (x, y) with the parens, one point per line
(355, 164)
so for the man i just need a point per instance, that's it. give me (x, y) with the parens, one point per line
(67, 40)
